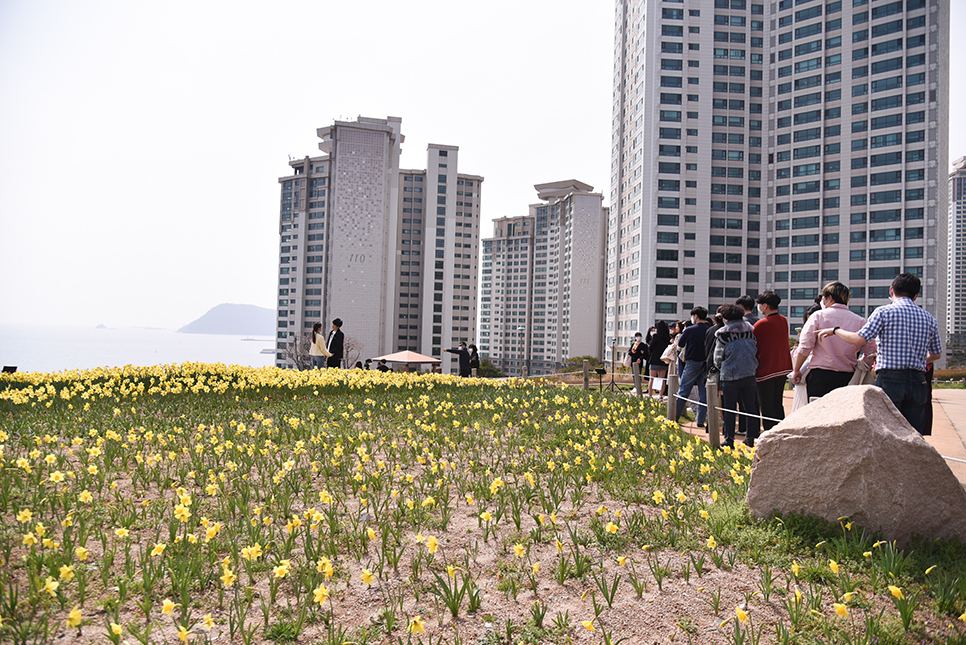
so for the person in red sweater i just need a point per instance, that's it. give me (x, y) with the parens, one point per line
(774, 360)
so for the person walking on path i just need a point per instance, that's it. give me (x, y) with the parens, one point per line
(774, 362)
(832, 361)
(335, 344)
(735, 360)
(693, 374)
(908, 339)
(464, 355)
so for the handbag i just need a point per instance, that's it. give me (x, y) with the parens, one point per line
(668, 354)
(627, 360)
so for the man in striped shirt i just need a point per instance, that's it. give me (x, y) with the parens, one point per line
(908, 339)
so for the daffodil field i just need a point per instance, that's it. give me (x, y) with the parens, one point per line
(205, 503)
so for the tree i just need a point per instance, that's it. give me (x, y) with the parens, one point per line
(351, 350)
(297, 352)
(488, 370)
(576, 363)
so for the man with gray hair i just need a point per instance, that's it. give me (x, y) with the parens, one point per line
(833, 360)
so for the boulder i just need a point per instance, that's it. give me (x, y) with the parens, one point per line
(852, 454)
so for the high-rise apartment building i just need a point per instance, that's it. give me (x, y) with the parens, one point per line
(542, 282)
(956, 290)
(777, 145)
(392, 252)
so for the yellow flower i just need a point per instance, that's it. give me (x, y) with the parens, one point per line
(841, 610)
(795, 568)
(963, 617)
(321, 594)
(535, 567)
(116, 629)
(867, 554)
(184, 634)
(367, 577)
(167, 607)
(25, 516)
(929, 570)
(588, 625)
(29, 539)
(834, 566)
(227, 577)
(74, 617)
(207, 622)
(896, 592)
(158, 549)
(121, 532)
(432, 543)
(519, 550)
(611, 528)
(417, 625)
(451, 571)
(282, 569)
(85, 497)
(50, 586)
(658, 497)
(705, 514)
(712, 544)
(56, 476)
(741, 614)
(682, 497)
(181, 512)
(67, 573)
(371, 533)
(81, 553)
(486, 517)
(252, 552)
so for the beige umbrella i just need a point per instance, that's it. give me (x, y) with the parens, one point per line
(410, 358)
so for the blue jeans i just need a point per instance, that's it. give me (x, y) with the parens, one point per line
(909, 392)
(318, 362)
(693, 374)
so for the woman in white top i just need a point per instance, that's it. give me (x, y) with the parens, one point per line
(317, 350)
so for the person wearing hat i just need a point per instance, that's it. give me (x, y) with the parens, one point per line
(334, 344)
(464, 355)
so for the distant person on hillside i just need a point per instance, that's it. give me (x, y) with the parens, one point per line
(335, 344)
(464, 356)
(317, 350)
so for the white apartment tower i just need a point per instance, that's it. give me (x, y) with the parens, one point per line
(775, 145)
(956, 303)
(542, 282)
(392, 252)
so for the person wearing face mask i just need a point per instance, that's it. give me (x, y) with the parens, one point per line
(774, 363)
(693, 374)
(833, 360)
(908, 340)
(638, 353)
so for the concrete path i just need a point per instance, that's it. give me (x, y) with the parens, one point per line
(948, 429)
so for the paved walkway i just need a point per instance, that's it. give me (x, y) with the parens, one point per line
(948, 428)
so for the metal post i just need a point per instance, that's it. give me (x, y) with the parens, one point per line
(714, 436)
(473, 372)
(672, 386)
(586, 375)
(638, 385)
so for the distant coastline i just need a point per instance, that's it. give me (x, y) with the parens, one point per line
(234, 320)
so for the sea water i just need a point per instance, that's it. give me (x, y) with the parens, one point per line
(54, 349)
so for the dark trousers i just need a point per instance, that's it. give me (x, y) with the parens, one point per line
(332, 361)
(908, 391)
(770, 395)
(740, 394)
(820, 382)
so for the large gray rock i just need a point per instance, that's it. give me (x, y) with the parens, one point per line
(852, 454)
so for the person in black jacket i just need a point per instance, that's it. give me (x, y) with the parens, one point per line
(638, 353)
(334, 344)
(464, 355)
(474, 358)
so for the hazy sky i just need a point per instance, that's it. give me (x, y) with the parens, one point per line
(141, 142)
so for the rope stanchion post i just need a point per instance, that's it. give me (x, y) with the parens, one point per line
(638, 386)
(672, 388)
(714, 432)
(586, 375)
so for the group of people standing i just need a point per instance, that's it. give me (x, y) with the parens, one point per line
(747, 351)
